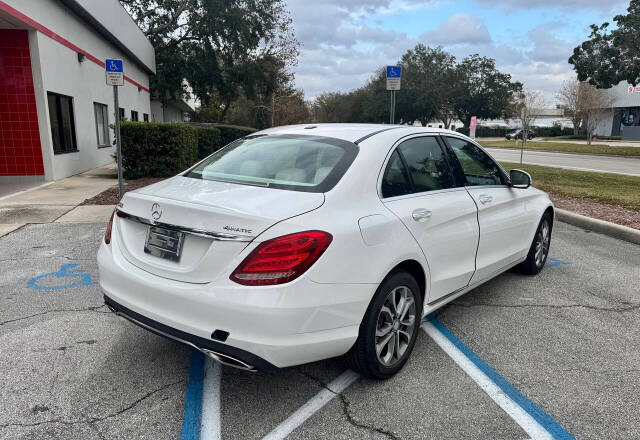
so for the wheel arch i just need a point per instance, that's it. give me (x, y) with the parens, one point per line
(415, 269)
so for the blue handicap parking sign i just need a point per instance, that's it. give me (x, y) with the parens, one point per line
(394, 71)
(114, 66)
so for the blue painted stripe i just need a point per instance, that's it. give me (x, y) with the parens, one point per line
(193, 398)
(552, 427)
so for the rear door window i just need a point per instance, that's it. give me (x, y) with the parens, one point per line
(417, 165)
(478, 168)
(395, 181)
(428, 167)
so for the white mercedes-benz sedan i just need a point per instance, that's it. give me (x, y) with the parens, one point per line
(306, 242)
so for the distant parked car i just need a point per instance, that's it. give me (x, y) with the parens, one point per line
(518, 135)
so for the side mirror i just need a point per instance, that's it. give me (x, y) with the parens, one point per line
(520, 179)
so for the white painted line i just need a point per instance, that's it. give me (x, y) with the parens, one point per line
(210, 415)
(312, 406)
(519, 415)
(27, 190)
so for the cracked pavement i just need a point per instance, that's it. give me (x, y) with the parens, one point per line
(567, 339)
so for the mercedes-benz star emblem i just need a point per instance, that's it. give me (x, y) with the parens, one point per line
(156, 211)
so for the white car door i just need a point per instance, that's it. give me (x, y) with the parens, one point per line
(502, 212)
(418, 186)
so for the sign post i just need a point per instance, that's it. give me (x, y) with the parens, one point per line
(472, 127)
(523, 118)
(394, 74)
(114, 72)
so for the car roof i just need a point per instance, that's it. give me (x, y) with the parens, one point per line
(348, 132)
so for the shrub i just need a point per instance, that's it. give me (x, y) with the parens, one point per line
(212, 137)
(208, 141)
(157, 149)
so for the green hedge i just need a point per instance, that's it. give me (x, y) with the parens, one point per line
(209, 141)
(502, 131)
(212, 137)
(157, 149)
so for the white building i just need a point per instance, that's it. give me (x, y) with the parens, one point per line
(55, 108)
(624, 118)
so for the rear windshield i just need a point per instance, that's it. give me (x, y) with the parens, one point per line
(293, 162)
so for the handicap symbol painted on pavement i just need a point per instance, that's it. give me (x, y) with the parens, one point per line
(553, 262)
(66, 273)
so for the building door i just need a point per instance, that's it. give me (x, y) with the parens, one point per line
(20, 150)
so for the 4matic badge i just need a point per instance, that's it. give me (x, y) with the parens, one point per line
(234, 229)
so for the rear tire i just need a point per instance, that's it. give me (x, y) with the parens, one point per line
(389, 328)
(539, 250)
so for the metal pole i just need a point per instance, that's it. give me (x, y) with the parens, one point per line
(118, 145)
(392, 111)
(391, 107)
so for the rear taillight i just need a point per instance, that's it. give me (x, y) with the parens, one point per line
(281, 259)
(107, 234)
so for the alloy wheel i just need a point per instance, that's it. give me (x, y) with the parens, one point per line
(395, 326)
(543, 238)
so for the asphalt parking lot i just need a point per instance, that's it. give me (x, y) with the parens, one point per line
(567, 340)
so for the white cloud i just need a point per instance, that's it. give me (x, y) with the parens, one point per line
(575, 5)
(546, 46)
(459, 29)
(340, 53)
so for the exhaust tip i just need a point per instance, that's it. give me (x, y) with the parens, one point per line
(228, 360)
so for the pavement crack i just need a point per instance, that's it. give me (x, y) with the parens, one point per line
(91, 421)
(134, 403)
(346, 406)
(629, 308)
(86, 309)
(588, 371)
(346, 409)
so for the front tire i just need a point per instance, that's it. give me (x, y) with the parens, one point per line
(539, 250)
(389, 328)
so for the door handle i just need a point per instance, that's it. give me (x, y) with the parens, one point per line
(421, 214)
(485, 198)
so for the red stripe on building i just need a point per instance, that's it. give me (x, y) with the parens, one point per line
(49, 33)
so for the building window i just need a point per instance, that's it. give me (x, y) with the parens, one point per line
(63, 128)
(101, 112)
(121, 110)
(134, 116)
(145, 117)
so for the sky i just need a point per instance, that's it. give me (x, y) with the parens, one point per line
(344, 41)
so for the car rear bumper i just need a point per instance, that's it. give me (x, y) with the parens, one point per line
(264, 327)
(223, 353)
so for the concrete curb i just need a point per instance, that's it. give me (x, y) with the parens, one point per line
(607, 228)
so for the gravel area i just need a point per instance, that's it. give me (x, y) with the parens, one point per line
(602, 211)
(110, 196)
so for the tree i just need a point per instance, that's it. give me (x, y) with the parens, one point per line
(611, 55)
(570, 99)
(481, 90)
(528, 106)
(427, 78)
(597, 106)
(224, 48)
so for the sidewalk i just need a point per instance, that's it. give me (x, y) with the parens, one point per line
(59, 201)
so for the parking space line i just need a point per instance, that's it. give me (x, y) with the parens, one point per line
(193, 398)
(312, 406)
(533, 420)
(210, 423)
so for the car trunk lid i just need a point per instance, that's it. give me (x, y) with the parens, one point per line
(198, 226)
